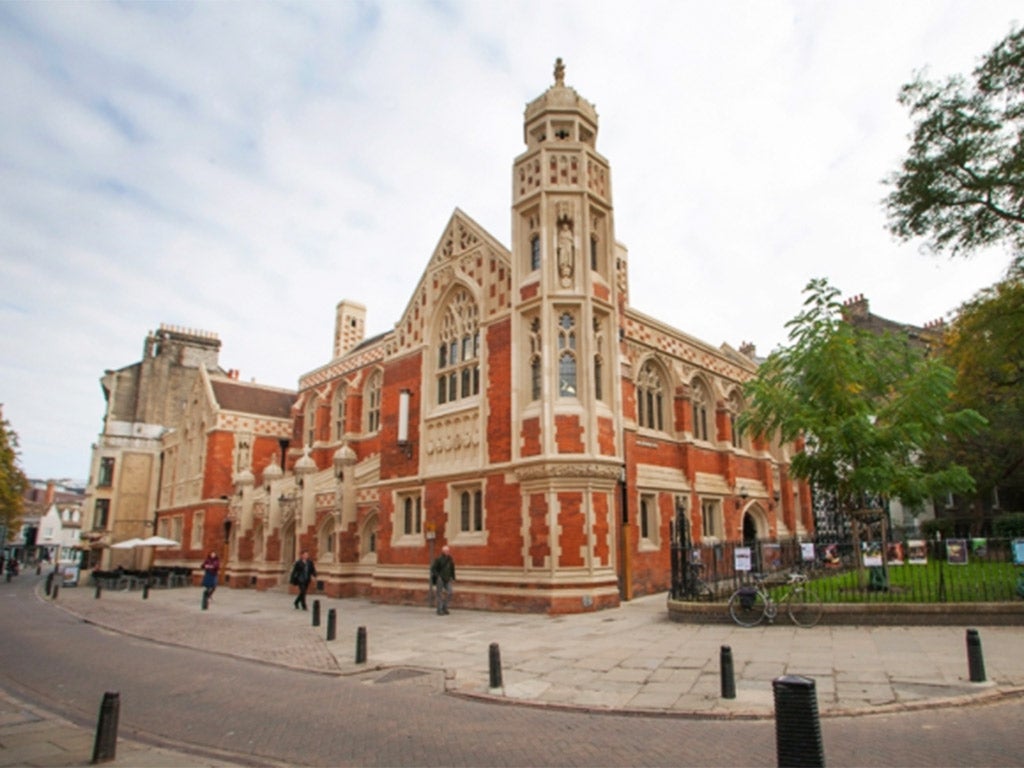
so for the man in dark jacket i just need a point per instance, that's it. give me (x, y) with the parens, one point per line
(442, 574)
(302, 573)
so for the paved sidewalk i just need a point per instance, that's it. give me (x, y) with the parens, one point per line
(632, 658)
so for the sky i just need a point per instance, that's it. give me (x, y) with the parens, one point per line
(241, 167)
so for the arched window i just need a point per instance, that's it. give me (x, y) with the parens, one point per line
(325, 541)
(535, 252)
(701, 409)
(599, 342)
(338, 409)
(567, 355)
(650, 397)
(458, 350)
(372, 402)
(309, 420)
(735, 408)
(471, 511)
(535, 359)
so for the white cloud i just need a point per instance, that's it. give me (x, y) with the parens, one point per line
(242, 172)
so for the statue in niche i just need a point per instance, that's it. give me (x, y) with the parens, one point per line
(566, 251)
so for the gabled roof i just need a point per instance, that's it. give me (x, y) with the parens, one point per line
(238, 396)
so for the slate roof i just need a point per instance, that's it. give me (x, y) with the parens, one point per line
(253, 398)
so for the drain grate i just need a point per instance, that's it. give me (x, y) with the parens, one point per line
(403, 673)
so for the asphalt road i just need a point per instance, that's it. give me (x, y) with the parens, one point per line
(261, 714)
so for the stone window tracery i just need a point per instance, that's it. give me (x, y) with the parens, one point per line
(309, 419)
(701, 406)
(650, 397)
(567, 355)
(458, 350)
(338, 409)
(372, 399)
(535, 359)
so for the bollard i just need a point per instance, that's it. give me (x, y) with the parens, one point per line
(726, 672)
(361, 645)
(96, 594)
(49, 583)
(56, 589)
(105, 746)
(145, 591)
(206, 599)
(332, 620)
(975, 660)
(495, 664)
(316, 613)
(797, 728)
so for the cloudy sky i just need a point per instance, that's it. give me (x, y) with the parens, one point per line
(240, 167)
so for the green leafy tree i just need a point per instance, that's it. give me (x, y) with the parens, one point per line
(985, 346)
(864, 405)
(13, 482)
(961, 185)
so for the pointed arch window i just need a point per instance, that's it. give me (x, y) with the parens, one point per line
(735, 408)
(650, 397)
(599, 345)
(701, 406)
(372, 398)
(534, 252)
(309, 419)
(535, 359)
(567, 355)
(338, 409)
(458, 350)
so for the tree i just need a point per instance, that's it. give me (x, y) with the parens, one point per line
(865, 406)
(961, 185)
(13, 482)
(985, 346)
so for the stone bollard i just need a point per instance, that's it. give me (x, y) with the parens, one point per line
(975, 659)
(797, 727)
(316, 613)
(105, 746)
(495, 666)
(726, 671)
(361, 645)
(332, 623)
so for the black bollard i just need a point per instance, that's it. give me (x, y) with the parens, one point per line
(316, 613)
(56, 589)
(332, 621)
(49, 583)
(96, 594)
(206, 599)
(145, 591)
(975, 660)
(105, 746)
(361, 645)
(797, 728)
(495, 664)
(726, 672)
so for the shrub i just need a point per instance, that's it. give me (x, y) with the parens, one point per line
(1008, 526)
(944, 525)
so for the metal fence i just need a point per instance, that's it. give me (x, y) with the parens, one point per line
(911, 571)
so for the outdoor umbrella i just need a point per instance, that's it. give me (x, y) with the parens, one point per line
(158, 541)
(127, 544)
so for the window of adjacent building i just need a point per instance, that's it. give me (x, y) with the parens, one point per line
(701, 407)
(338, 410)
(101, 514)
(566, 355)
(650, 397)
(535, 252)
(106, 473)
(469, 510)
(711, 519)
(410, 510)
(310, 419)
(458, 350)
(372, 399)
(198, 520)
(648, 518)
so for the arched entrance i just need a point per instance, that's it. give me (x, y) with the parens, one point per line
(755, 530)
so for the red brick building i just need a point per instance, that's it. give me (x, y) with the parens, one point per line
(520, 411)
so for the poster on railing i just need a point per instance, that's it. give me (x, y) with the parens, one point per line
(741, 558)
(772, 554)
(1018, 551)
(871, 551)
(917, 552)
(807, 551)
(894, 552)
(956, 551)
(979, 547)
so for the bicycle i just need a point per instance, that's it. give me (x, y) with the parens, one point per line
(752, 604)
(698, 589)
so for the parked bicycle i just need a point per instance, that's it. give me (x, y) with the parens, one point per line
(696, 588)
(752, 603)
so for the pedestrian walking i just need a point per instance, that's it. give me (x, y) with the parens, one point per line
(302, 573)
(211, 567)
(442, 574)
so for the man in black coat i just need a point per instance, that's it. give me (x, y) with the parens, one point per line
(442, 574)
(302, 573)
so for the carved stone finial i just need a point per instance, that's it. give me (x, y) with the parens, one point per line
(559, 72)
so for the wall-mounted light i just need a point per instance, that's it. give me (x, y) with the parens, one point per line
(403, 423)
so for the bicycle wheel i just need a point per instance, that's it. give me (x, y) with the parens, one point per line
(748, 607)
(803, 607)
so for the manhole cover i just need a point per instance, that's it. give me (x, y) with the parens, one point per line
(400, 674)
